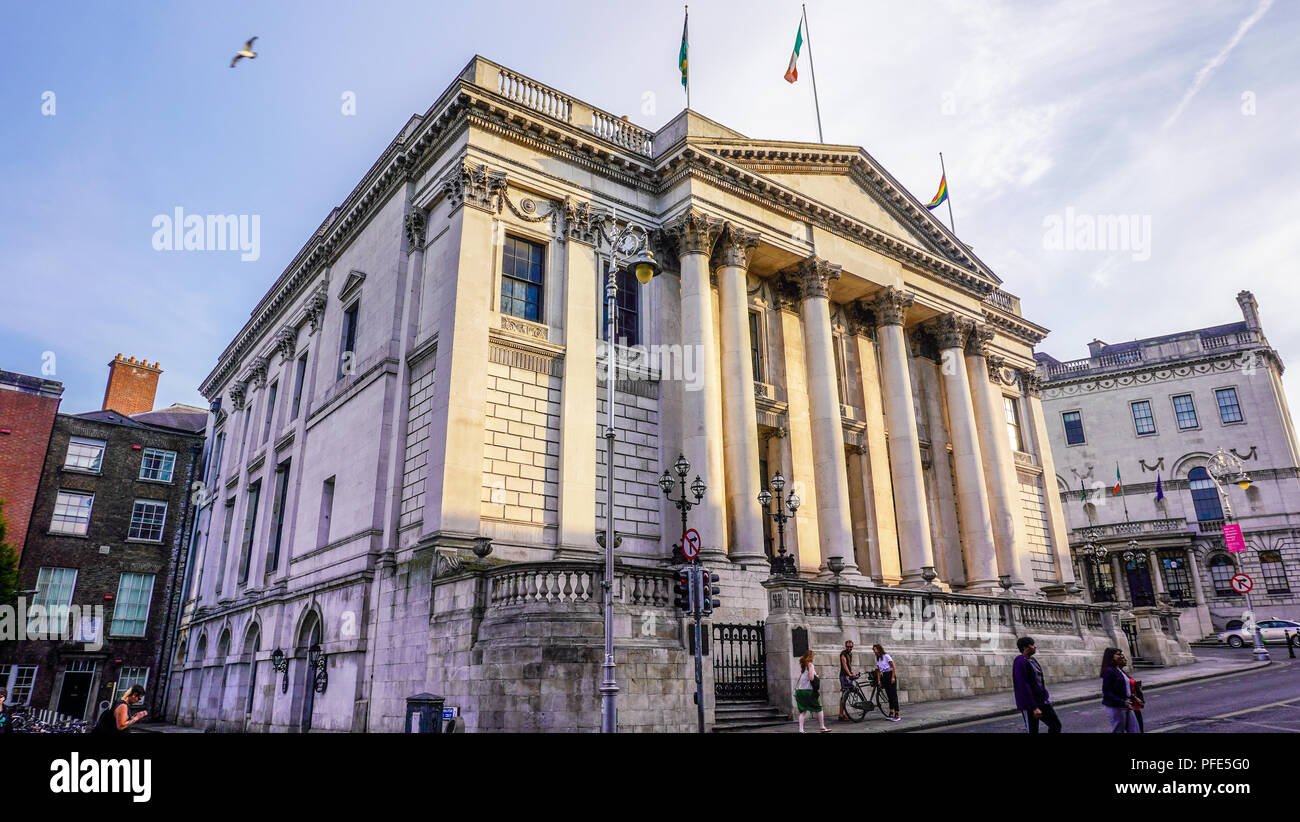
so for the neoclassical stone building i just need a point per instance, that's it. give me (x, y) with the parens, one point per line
(1159, 408)
(407, 471)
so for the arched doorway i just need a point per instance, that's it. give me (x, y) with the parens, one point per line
(309, 635)
(252, 644)
(1140, 590)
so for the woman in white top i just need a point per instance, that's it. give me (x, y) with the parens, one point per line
(888, 679)
(805, 697)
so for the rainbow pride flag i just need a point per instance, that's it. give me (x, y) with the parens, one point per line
(940, 195)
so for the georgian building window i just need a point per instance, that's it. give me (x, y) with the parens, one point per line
(1221, 571)
(131, 607)
(1185, 412)
(1273, 572)
(72, 513)
(755, 346)
(1229, 407)
(157, 465)
(628, 309)
(84, 454)
(147, 518)
(1073, 421)
(1144, 422)
(1011, 410)
(18, 680)
(1178, 580)
(250, 529)
(1205, 495)
(523, 275)
(54, 587)
(130, 676)
(347, 343)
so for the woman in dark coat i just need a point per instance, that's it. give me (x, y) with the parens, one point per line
(1117, 693)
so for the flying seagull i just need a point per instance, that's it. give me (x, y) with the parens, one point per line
(246, 51)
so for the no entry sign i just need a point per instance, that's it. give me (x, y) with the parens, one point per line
(691, 544)
(1241, 583)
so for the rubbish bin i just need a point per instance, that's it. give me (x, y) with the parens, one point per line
(424, 714)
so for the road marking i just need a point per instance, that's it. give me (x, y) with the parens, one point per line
(1274, 727)
(1285, 702)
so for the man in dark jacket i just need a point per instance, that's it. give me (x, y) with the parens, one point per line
(1031, 693)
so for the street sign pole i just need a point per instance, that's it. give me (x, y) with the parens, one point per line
(1261, 653)
(697, 595)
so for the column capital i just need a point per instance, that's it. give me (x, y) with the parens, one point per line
(891, 304)
(735, 245)
(859, 319)
(314, 310)
(286, 341)
(694, 232)
(475, 185)
(238, 391)
(977, 344)
(814, 277)
(995, 364)
(951, 330)
(1030, 382)
(579, 221)
(414, 223)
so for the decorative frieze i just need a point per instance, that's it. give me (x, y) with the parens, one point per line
(694, 232)
(1030, 382)
(735, 246)
(475, 185)
(528, 329)
(890, 306)
(580, 222)
(814, 277)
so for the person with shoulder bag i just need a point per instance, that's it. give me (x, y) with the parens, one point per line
(1117, 693)
(807, 694)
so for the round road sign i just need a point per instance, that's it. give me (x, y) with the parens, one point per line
(1241, 583)
(691, 544)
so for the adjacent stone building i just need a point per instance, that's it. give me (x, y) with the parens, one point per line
(407, 473)
(1156, 410)
(103, 557)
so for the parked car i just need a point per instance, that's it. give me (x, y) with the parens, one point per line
(1270, 630)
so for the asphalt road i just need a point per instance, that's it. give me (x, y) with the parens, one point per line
(1266, 700)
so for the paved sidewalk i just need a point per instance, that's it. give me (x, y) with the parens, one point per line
(163, 728)
(927, 715)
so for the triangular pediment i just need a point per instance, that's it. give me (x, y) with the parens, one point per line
(354, 279)
(847, 180)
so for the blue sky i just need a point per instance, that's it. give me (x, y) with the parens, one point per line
(1183, 113)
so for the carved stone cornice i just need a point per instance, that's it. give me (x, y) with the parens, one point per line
(314, 309)
(414, 223)
(1030, 382)
(735, 246)
(475, 185)
(237, 392)
(977, 344)
(890, 306)
(286, 341)
(257, 371)
(814, 277)
(951, 330)
(694, 232)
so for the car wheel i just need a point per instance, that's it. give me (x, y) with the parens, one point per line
(1235, 641)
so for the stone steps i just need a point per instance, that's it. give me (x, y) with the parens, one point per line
(744, 716)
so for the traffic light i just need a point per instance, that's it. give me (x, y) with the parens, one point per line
(709, 592)
(683, 589)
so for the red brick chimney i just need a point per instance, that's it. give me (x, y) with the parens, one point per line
(131, 386)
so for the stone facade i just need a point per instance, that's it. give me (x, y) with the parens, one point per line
(437, 430)
(1157, 410)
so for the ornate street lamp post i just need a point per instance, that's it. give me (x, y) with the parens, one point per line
(628, 247)
(1224, 468)
(783, 564)
(666, 482)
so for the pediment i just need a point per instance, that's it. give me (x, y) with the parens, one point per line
(351, 283)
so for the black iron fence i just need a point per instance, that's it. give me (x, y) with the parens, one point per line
(739, 663)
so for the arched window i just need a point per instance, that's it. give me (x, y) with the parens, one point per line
(1221, 571)
(1273, 572)
(252, 644)
(1205, 495)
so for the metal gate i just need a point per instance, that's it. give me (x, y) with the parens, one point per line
(1131, 633)
(739, 663)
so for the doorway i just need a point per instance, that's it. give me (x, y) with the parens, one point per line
(74, 693)
(1141, 592)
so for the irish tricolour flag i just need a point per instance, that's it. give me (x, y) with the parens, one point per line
(792, 73)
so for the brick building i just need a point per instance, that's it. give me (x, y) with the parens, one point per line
(104, 553)
(27, 408)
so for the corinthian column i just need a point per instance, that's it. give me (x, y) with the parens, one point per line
(830, 472)
(976, 524)
(739, 416)
(915, 548)
(999, 464)
(701, 422)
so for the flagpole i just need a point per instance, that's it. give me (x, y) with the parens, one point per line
(813, 69)
(1122, 496)
(686, 38)
(945, 181)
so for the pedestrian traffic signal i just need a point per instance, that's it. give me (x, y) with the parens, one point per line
(683, 589)
(709, 591)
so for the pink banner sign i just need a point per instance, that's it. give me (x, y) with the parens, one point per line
(1233, 539)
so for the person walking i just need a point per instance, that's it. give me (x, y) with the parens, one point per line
(6, 725)
(846, 677)
(1032, 699)
(806, 693)
(1135, 688)
(1117, 693)
(888, 674)
(117, 718)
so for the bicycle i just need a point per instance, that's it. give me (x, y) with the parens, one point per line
(858, 704)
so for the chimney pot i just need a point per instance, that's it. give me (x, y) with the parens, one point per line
(132, 386)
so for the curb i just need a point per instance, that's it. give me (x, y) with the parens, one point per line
(943, 723)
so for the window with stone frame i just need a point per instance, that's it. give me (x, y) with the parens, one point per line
(1205, 495)
(628, 304)
(250, 530)
(129, 676)
(1101, 580)
(71, 513)
(157, 465)
(1229, 407)
(1185, 412)
(147, 519)
(1073, 422)
(1273, 571)
(1144, 422)
(17, 681)
(755, 346)
(1221, 572)
(1178, 579)
(1011, 411)
(84, 454)
(523, 278)
(54, 587)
